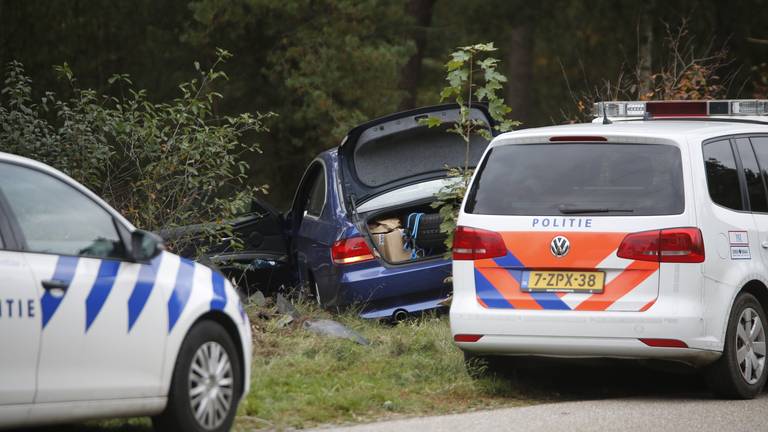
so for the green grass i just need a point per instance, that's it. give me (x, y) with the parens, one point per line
(301, 379)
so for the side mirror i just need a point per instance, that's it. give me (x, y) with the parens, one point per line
(145, 245)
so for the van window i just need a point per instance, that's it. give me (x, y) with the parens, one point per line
(579, 179)
(760, 145)
(755, 186)
(722, 176)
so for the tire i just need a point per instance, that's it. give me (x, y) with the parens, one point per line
(429, 235)
(206, 340)
(729, 377)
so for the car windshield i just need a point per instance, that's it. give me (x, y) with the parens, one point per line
(579, 179)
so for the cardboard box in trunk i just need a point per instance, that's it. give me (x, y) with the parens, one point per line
(387, 236)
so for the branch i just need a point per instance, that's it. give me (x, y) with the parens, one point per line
(757, 41)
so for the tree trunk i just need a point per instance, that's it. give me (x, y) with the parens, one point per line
(645, 52)
(421, 11)
(518, 61)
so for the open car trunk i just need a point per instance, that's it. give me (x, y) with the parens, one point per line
(390, 170)
(405, 234)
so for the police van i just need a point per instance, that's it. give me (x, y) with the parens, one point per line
(642, 235)
(96, 320)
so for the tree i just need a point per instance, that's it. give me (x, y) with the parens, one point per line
(472, 76)
(421, 13)
(323, 65)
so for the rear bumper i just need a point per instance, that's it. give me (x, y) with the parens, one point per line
(586, 334)
(382, 290)
(586, 347)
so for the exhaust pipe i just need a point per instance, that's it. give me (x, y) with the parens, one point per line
(400, 315)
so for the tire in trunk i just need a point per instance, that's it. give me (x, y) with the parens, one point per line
(428, 235)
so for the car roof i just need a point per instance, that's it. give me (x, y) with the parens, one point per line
(39, 166)
(676, 130)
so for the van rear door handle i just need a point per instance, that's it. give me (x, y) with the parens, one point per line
(54, 284)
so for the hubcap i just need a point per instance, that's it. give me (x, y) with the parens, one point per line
(211, 385)
(750, 346)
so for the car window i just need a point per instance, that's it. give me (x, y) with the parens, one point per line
(755, 186)
(760, 145)
(579, 179)
(317, 195)
(56, 218)
(722, 176)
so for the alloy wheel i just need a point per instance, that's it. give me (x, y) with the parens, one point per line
(750, 346)
(211, 385)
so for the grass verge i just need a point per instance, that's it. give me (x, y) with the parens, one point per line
(413, 368)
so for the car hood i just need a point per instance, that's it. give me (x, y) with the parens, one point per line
(397, 150)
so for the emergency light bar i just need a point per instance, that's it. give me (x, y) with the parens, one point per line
(667, 109)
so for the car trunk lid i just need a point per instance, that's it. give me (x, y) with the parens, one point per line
(398, 150)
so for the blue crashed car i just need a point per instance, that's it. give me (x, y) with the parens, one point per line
(361, 230)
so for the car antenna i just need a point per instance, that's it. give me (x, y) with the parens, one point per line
(606, 121)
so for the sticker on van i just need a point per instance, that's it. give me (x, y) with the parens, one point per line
(738, 238)
(740, 253)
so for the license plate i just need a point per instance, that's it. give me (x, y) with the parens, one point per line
(563, 281)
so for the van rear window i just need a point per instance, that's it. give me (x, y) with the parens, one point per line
(579, 179)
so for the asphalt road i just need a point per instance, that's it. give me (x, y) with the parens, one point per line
(600, 397)
(625, 414)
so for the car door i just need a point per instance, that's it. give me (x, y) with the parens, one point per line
(19, 324)
(758, 144)
(311, 233)
(102, 324)
(262, 262)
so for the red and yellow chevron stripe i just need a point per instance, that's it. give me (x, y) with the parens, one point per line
(630, 285)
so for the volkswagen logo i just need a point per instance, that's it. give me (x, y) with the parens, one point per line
(560, 246)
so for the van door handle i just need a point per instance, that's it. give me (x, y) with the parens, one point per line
(54, 284)
(764, 244)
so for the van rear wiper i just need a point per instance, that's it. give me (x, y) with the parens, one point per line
(578, 210)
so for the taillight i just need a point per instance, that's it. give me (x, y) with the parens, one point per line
(351, 250)
(474, 244)
(674, 245)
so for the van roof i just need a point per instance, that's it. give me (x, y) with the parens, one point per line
(677, 130)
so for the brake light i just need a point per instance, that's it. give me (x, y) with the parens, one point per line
(474, 244)
(350, 251)
(675, 245)
(577, 138)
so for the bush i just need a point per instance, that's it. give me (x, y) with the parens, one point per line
(160, 164)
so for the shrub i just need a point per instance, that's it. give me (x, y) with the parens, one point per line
(162, 165)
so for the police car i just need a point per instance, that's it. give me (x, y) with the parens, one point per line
(642, 235)
(96, 320)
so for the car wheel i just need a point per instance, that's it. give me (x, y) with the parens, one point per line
(740, 372)
(206, 384)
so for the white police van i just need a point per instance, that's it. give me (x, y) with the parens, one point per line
(642, 235)
(96, 320)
